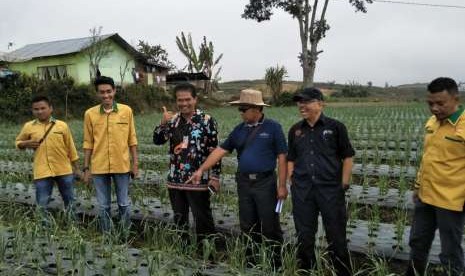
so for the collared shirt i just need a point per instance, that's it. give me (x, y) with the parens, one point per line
(261, 152)
(441, 177)
(318, 151)
(56, 152)
(109, 136)
(190, 144)
(114, 108)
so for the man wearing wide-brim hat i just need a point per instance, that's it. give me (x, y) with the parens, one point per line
(260, 144)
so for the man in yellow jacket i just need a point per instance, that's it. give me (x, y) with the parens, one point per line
(439, 194)
(109, 138)
(55, 155)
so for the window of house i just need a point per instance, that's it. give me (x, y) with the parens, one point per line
(57, 72)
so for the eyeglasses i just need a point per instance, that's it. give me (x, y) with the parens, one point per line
(243, 108)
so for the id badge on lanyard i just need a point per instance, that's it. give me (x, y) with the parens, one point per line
(185, 142)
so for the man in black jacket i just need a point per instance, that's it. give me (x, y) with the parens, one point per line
(319, 164)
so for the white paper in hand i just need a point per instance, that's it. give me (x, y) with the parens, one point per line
(279, 206)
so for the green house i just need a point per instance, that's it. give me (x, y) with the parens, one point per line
(69, 58)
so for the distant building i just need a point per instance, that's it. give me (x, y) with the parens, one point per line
(199, 80)
(67, 58)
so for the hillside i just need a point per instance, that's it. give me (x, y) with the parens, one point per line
(414, 91)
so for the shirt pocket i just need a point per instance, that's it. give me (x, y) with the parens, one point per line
(330, 142)
(56, 135)
(122, 125)
(453, 145)
(56, 132)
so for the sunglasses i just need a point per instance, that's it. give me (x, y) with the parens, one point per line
(243, 108)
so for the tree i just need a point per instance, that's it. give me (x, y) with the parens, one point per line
(123, 68)
(195, 65)
(312, 25)
(97, 49)
(155, 53)
(202, 61)
(209, 63)
(274, 77)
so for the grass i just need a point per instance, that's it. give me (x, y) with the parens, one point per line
(382, 134)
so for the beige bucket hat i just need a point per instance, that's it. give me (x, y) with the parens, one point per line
(250, 97)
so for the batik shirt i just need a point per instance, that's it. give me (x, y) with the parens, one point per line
(191, 141)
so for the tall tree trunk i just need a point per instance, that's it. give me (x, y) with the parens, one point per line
(314, 39)
(307, 73)
(311, 75)
(313, 56)
(305, 25)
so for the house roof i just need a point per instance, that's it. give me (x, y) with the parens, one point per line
(64, 47)
(184, 76)
(52, 48)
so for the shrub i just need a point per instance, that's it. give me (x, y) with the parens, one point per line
(353, 90)
(285, 99)
(70, 100)
(142, 98)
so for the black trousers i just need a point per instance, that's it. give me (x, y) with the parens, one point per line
(426, 219)
(199, 203)
(329, 200)
(257, 204)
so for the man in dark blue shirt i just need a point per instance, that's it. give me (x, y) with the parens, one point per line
(319, 165)
(259, 142)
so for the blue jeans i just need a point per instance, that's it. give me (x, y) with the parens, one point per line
(44, 188)
(102, 184)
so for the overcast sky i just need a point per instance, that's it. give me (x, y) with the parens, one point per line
(391, 43)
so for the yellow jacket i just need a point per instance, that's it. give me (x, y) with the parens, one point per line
(441, 177)
(109, 136)
(54, 155)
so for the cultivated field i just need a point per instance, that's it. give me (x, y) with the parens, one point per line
(387, 139)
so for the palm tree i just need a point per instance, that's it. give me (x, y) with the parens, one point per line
(274, 77)
(203, 61)
(209, 62)
(195, 64)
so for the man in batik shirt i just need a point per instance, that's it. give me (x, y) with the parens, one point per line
(192, 135)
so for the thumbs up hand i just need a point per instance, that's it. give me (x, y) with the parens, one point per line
(167, 115)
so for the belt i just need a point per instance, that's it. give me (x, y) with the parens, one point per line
(255, 176)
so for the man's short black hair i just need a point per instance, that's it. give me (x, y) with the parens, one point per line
(186, 86)
(443, 83)
(308, 93)
(41, 98)
(104, 80)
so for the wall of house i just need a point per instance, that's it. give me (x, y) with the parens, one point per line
(30, 67)
(77, 65)
(110, 66)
